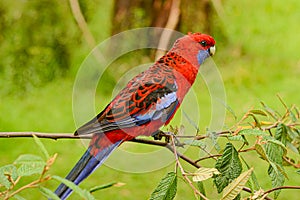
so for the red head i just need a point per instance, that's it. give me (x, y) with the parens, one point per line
(195, 47)
(206, 41)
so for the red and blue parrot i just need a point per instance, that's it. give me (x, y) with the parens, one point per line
(148, 102)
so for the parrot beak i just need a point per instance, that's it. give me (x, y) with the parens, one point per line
(212, 50)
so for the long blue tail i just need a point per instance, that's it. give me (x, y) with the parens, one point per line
(84, 167)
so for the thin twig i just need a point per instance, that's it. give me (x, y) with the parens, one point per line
(280, 188)
(196, 192)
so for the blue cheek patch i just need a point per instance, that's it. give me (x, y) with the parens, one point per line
(201, 56)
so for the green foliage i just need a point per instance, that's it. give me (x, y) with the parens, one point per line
(201, 189)
(81, 192)
(229, 165)
(166, 189)
(8, 174)
(28, 165)
(236, 186)
(36, 39)
(108, 185)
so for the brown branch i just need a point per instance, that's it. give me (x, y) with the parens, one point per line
(280, 188)
(250, 191)
(56, 136)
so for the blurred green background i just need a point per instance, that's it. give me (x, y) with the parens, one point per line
(42, 47)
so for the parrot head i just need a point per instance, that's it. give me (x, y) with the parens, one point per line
(195, 47)
(206, 45)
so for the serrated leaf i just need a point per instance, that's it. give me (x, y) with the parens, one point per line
(253, 132)
(6, 172)
(260, 150)
(277, 179)
(236, 186)
(230, 167)
(197, 143)
(166, 189)
(281, 133)
(41, 146)
(272, 140)
(241, 138)
(204, 173)
(48, 193)
(27, 158)
(101, 187)
(298, 171)
(274, 153)
(201, 189)
(81, 192)
(258, 112)
(28, 169)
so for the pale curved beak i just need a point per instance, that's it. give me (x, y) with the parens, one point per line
(212, 50)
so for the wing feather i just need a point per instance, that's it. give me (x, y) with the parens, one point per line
(149, 96)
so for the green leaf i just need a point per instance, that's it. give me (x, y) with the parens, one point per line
(8, 173)
(258, 112)
(260, 150)
(48, 193)
(298, 171)
(252, 132)
(272, 140)
(101, 187)
(27, 158)
(241, 138)
(81, 192)
(204, 173)
(229, 165)
(236, 186)
(230, 110)
(281, 133)
(201, 189)
(31, 168)
(166, 189)
(197, 143)
(41, 146)
(257, 123)
(275, 171)
(30, 164)
(277, 179)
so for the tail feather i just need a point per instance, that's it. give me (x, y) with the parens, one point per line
(84, 167)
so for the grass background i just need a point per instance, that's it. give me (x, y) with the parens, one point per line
(260, 60)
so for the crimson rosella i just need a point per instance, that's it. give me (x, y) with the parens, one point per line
(148, 102)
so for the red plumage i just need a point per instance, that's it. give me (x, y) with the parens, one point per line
(148, 102)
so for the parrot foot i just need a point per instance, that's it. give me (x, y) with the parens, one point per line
(158, 135)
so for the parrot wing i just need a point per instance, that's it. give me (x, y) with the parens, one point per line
(149, 96)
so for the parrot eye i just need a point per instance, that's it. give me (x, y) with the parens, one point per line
(203, 43)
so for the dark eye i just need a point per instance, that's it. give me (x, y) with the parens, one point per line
(203, 43)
